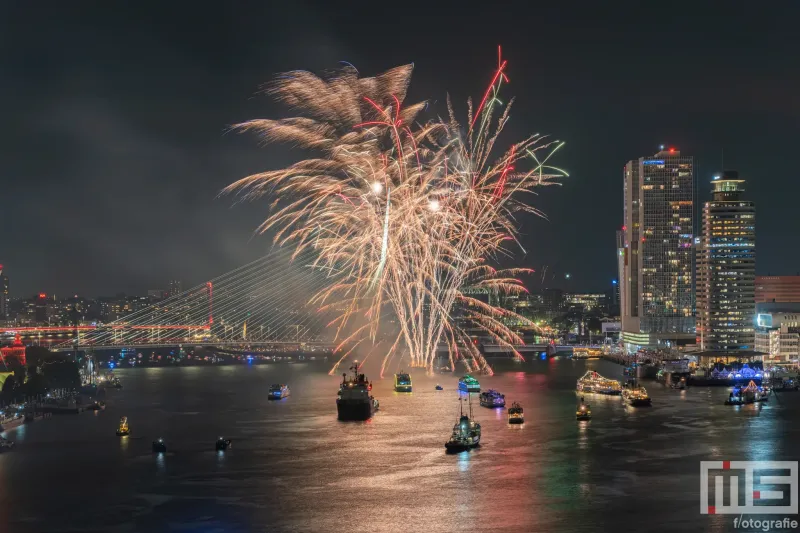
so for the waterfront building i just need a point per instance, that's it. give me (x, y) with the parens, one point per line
(587, 302)
(726, 269)
(779, 289)
(777, 336)
(657, 296)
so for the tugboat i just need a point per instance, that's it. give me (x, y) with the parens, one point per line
(223, 444)
(354, 401)
(594, 382)
(515, 414)
(466, 433)
(123, 430)
(584, 412)
(745, 395)
(278, 392)
(469, 384)
(159, 446)
(402, 382)
(492, 398)
(96, 406)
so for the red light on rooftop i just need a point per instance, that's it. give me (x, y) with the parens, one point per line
(671, 150)
(42, 295)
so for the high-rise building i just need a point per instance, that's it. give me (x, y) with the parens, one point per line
(657, 256)
(780, 289)
(175, 287)
(4, 296)
(726, 269)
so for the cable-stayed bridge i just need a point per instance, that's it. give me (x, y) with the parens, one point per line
(262, 303)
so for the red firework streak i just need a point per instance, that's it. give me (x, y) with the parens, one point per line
(501, 65)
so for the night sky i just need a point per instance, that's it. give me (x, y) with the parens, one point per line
(113, 146)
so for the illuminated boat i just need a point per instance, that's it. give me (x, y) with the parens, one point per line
(466, 433)
(745, 395)
(492, 398)
(594, 382)
(402, 382)
(159, 446)
(278, 392)
(123, 429)
(354, 401)
(636, 397)
(583, 412)
(96, 406)
(5, 444)
(469, 384)
(222, 444)
(515, 414)
(678, 385)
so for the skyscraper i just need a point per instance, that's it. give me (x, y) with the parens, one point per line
(658, 259)
(175, 287)
(726, 269)
(4, 297)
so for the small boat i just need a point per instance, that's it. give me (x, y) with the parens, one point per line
(594, 382)
(679, 385)
(278, 392)
(354, 401)
(123, 429)
(636, 397)
(515, 415)
(159, 446)
(439, 387)
(469, 384)
(583, 412)
(223, 444)
(5, 444)
(402, 382)
(466, 433)
(445, 369)
(492, 398)
(746, 395)
(96, 406)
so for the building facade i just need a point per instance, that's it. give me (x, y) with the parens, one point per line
(175, 287)
(778, 336)
(657, 296)
(779, 289)
(4, 296)
(726, 269)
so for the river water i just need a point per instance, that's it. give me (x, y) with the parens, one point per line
(294, 467)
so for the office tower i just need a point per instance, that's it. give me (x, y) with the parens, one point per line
(175, 287)
(778, 289)
(4, 297)
(726, 269)
(658, 258)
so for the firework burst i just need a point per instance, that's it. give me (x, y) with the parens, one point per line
(402, 215)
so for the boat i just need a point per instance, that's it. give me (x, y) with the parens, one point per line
(679, 385)
(402, 382)
(159, 446)
(469, 384)
(278, 392)
(594, 382)
(439, 387)
(515, 414)
(123, 429)
(445, 369)
(96, 406)
(5, 444)
(584, 412)
(636, 396)
(746, 395)
(354, 401)
(492, 398)
(466, 433)
(223, 444)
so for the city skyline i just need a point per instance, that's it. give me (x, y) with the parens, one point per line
(113, 173)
